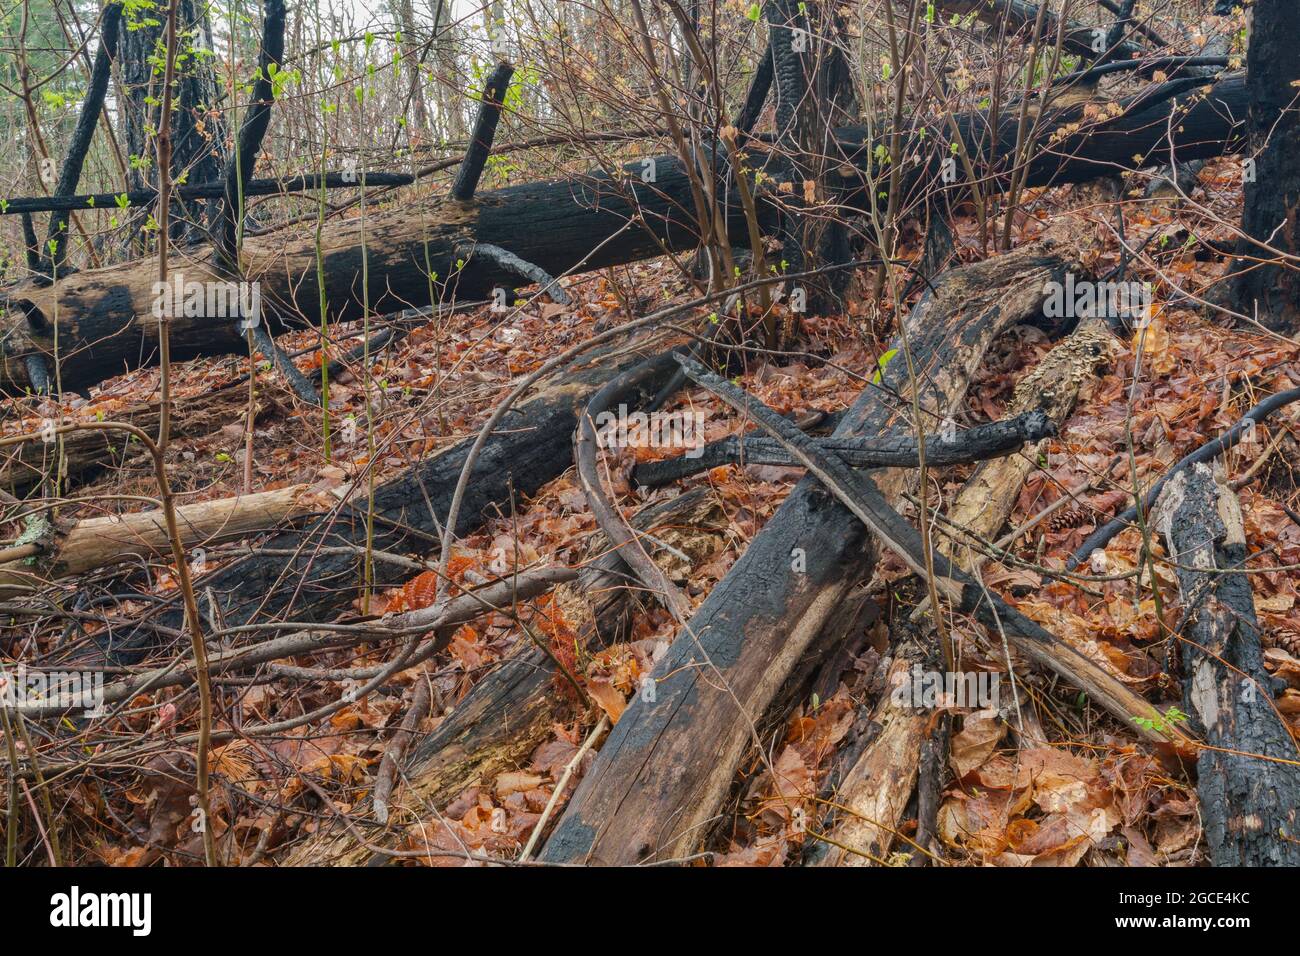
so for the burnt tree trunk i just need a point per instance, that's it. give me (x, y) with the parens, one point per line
(813, 93)
(1271, 292)
(1247, 777)
(197, 129)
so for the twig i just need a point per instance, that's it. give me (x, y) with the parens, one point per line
(572, 765)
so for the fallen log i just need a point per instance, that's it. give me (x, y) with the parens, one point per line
(860, 495)
(873, 783)
(98, 542)
(1052, 388)
(510, 712)
(107, 321)
(1248, 772)
(873, 794)
(668, 764)
(312, 583)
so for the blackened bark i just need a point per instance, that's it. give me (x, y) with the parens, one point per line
(239, 166)
(813, 91)
(668, 764)
(561, 226)
(532, 448)
(485, 130)
(56, 237)
(198, 131)
(759, 85)
(980, 443)
(1271, 293)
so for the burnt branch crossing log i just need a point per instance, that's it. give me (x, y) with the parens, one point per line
(663, 774)
(974, 444)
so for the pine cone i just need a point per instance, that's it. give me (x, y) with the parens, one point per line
(1067, 518)
(1289, 641)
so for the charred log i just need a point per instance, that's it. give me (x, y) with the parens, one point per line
(1247, 777)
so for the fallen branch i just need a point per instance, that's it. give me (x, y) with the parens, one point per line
(860, 495)
(97, 542)
(979, 443)
(509, 712)
(664, 773)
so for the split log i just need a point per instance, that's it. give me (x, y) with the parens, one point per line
(1053, 387)
(531, 448)
(872, 786)
(510, 712)
(667, 766)
(1248, 778)
(98, 542)
(106, 316)
(874, 793)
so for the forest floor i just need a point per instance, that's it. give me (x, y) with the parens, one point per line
(1088, 794)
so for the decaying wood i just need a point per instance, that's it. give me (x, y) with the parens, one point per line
(871, 786)
(986, 500)
(859, 494)
(667, 765)
(89, 452)
(874, 793)
(510, 712)
(1052, 388)
(1249, 770)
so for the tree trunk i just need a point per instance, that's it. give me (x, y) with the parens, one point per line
(198, 134)
(1271, 215)
(1021, 16)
